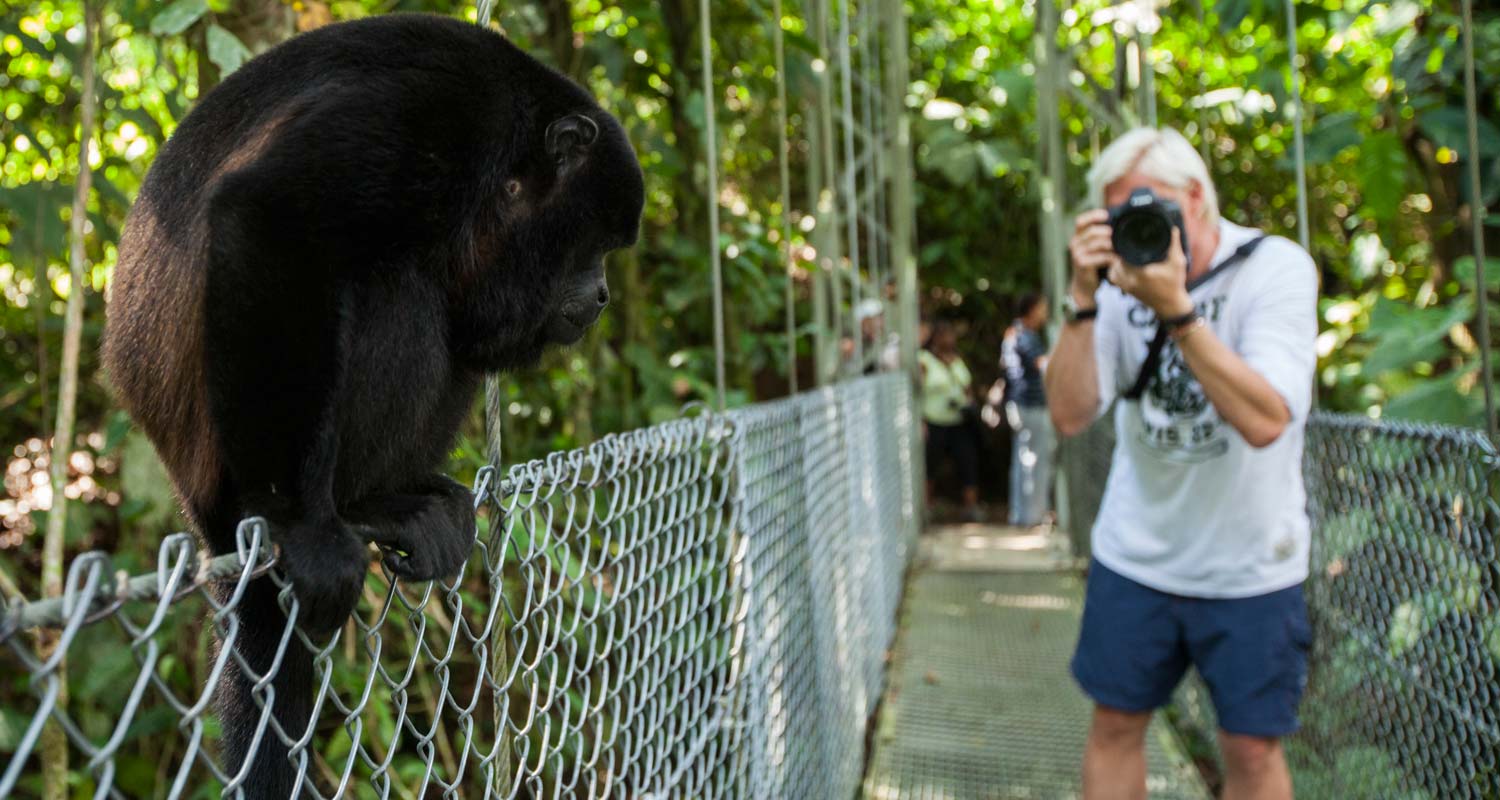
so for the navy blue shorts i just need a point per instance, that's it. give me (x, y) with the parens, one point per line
(1136, 644)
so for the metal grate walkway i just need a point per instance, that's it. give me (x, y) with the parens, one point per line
(980, 705)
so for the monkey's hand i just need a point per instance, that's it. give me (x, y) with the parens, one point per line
(326, 563)
(426, 533)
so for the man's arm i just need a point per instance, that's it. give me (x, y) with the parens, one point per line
(1072, 379)
(1242, 396)
(1252, 392)
(1072, 375)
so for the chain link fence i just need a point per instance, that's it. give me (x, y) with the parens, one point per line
(697, 609)
(1403, 694)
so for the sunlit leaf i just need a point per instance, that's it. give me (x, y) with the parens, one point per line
(178, 17)
(1448, 127)
(1331, 135)
(1383, 173)
(225, 50)
(1463, 271)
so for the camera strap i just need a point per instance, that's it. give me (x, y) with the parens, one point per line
(1159, 342)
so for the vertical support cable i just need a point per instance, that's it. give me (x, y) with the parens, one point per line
(871, 149)
(1203, 149)
(711, 160)
(1145, 23)
(1051, 168)
(1304, 236)
(779, 39)
(902, 231)
(828, 226)
(851, 200)
(1477, 212)
(903, 225)
(486, 7)
(817, 276)
(882, 171)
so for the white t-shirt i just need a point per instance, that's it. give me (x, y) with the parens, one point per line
(1190, 507)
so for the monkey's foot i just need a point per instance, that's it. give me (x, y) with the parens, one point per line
(425, 536)
(326, 564)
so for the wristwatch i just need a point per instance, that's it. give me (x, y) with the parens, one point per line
(1072, 313)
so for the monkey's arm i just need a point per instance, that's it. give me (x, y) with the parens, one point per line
(289, 236)
(274, 348)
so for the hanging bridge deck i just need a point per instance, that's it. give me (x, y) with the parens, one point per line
(980, 704)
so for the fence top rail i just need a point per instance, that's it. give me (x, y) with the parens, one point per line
(1409, 429)
(94, 592)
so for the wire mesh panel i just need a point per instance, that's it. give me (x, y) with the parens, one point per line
(824, 567)
(1404, 699)
(697, 609)
(1403, 694)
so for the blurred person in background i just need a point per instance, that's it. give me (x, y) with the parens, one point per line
(882, 348)
(950, 416)
(1023, 356)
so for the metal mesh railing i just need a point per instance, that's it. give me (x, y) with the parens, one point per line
(697, 609)
(1403, 695)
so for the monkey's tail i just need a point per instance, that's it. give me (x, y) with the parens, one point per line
(272, 776)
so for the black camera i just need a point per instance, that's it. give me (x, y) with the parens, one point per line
(1143, 228)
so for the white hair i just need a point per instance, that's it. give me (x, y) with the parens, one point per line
(1161, 154)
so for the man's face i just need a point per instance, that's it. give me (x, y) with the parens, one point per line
(1191, 199)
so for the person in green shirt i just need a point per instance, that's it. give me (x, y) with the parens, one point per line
(947, 389)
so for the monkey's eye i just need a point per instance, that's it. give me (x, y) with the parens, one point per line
(512, 187)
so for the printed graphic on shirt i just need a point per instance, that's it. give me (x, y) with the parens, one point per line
(1177, 420)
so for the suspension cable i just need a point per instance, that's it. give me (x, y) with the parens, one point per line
(828, 259)
(872, 150)
(779, 38)
(882, 141)
(1304, 236)
(1477, 212)
(851, 199)
(1203, 149)
(711, 160)
(494, 406)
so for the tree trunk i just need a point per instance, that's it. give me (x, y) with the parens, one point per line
(631, 308)
(560, 38)
(41, 290)
(54, 741)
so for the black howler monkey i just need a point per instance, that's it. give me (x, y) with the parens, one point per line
(326, 256)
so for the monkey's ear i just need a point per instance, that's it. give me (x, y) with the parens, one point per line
(568, 139)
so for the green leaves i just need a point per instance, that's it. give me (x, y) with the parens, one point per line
(178, 17)
(1439, 400)
(225, 50)
(1464, 273)
(1383, 174)
(1331, 135)
(1405, 335)
(1447, 126)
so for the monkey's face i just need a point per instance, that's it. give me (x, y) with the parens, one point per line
(540, 269)
(582, 297)
(594, 207)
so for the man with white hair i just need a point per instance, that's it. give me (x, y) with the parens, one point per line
(1200, 547)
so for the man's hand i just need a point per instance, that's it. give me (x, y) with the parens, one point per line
(1070, 374)
(1161, 286)
(1091, 249)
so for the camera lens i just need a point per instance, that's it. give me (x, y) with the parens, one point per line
(1143, 227)
(1143, 237)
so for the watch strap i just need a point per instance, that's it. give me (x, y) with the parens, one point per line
(1083, 314)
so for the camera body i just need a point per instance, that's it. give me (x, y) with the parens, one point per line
(1143, 226)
